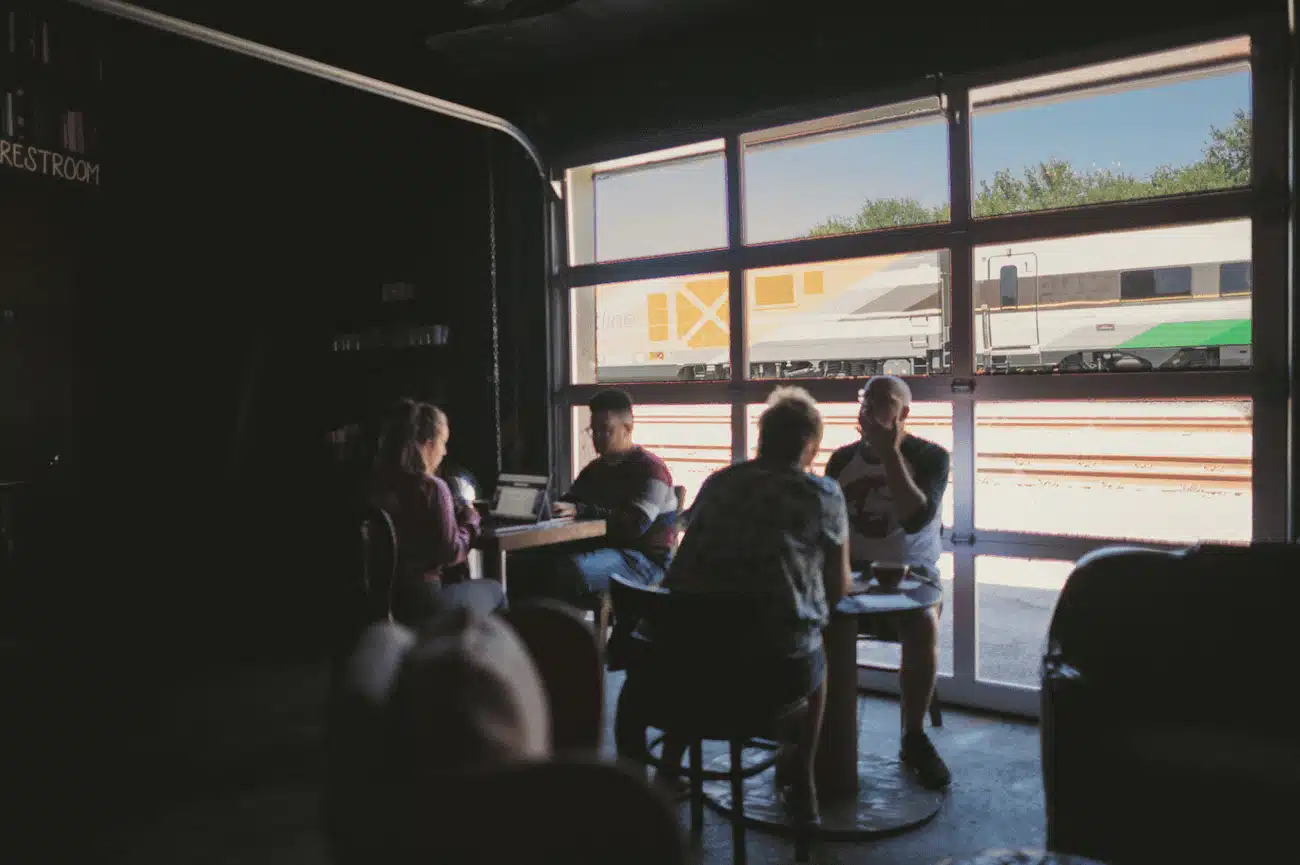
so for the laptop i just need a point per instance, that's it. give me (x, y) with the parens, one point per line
(521, 499)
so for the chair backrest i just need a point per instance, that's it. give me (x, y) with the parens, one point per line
(724, 622)
(1151, 625)
(564, 649)
(633, 602)
(375, 560)
(679, 524)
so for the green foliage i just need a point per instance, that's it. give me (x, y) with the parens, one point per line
(1229, 149)
(1055, 184)
(883, 213)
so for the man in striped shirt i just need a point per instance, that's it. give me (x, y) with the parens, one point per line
(628, 487)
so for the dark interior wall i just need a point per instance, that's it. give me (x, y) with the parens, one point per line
(523, 311)
(245, 215)
(43, 226)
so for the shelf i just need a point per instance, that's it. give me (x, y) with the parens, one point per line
(388, 338)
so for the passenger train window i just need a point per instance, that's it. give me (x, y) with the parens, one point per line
(1234, 277)
(1009, 285)
(1157, 282)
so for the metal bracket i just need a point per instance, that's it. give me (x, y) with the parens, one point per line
(964, 540)
(963, 385)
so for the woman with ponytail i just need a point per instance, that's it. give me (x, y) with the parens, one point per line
(433, 532)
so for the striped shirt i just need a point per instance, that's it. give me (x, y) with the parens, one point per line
(633, 493)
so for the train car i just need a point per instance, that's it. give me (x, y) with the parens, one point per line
(1175, 298)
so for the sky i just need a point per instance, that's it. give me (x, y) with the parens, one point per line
(791, 188)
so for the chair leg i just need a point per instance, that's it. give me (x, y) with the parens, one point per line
(697, 791)
(802, 844)
(738, 801)
(936, 714)
(603, 612)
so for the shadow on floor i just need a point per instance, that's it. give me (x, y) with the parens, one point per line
(229, 770)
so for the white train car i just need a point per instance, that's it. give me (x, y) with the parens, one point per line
(1169, 298)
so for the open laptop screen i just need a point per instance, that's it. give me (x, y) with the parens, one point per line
(520, 497)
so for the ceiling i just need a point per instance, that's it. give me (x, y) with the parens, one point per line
(570, 71)
(574, 32)
(473, 37)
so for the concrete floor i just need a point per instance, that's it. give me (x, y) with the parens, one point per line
(228, 770)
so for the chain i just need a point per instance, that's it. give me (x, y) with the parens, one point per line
(496, 336)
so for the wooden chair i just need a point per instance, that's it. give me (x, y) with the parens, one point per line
(377, 555)
(366, 547)
(697, 714)
(569, 661)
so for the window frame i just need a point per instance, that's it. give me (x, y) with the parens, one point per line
(1267, 382)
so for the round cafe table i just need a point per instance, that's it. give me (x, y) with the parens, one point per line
(861, 794)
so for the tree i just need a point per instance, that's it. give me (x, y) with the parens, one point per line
(1229, 149)
(883, 213)
(1055, 184)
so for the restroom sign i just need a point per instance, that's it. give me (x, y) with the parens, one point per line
(38, 160)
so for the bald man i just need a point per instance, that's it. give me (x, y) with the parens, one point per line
(893, 485)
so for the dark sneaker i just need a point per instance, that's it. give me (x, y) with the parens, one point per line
(919, 755)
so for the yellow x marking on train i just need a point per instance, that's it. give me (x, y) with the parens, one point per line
(702, 313)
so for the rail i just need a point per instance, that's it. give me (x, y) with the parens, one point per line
(668, 435)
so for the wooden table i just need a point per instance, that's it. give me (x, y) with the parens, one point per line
(870, 794)
(862, 794)
(498, 539)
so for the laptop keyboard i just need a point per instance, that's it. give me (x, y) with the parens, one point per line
(540, 524)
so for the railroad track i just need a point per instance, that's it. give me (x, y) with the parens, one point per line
(665, 434)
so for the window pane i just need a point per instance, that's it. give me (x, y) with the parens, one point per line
(1130, 301)
(656, 204)
(1045, 144)
(868, 174)
(652, 330)
(1155, 470)
(888, 655)
(694, 440)
(1014, 601)
(851, 318)
(1235, 277)
(929, 420)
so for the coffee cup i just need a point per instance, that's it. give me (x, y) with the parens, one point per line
(888, 575)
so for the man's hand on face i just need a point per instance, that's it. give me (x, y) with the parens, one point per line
(882, 438)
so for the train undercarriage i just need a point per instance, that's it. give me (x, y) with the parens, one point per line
(1092, 360)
